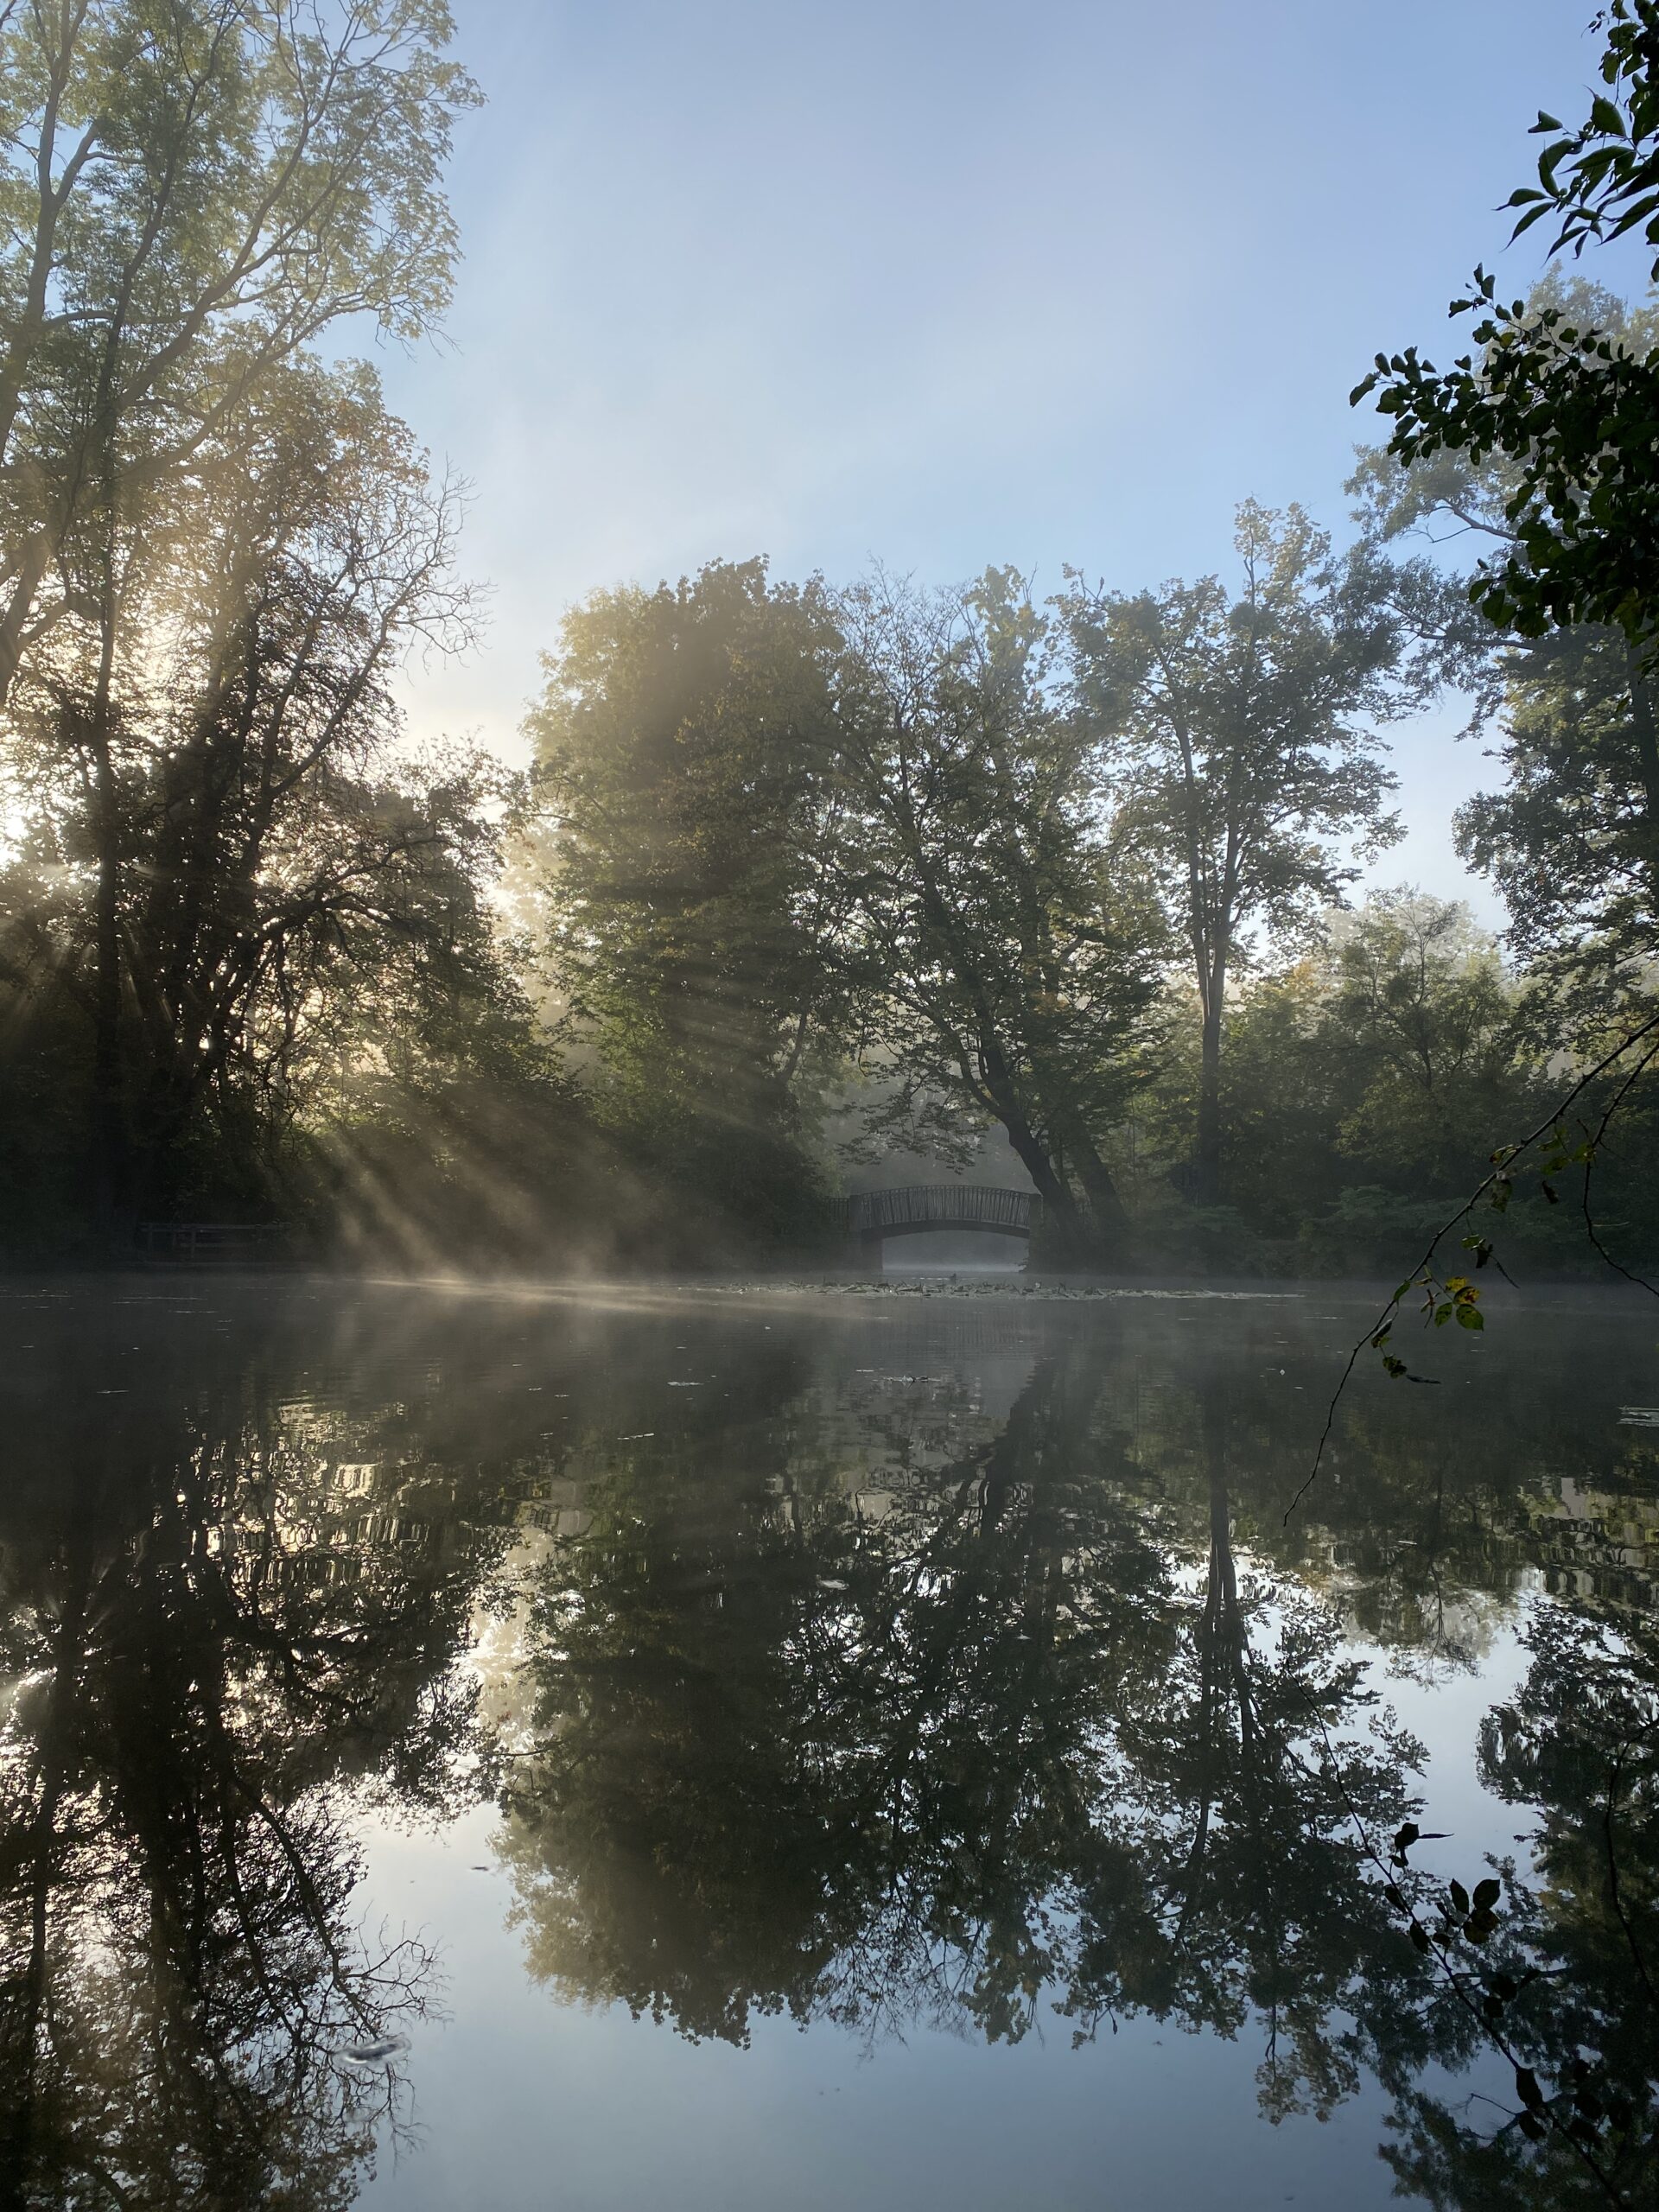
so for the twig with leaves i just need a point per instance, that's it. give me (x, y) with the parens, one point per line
(1455, 1297)
(1574, 2113)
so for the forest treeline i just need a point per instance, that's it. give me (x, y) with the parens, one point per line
(802, 875)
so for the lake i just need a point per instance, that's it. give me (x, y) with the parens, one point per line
(844, 1746)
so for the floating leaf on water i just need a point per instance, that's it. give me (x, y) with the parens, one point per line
(375, 2052)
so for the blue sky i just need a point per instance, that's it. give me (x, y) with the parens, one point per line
(946, 284)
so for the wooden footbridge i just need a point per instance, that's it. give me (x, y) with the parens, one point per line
(874, 1216)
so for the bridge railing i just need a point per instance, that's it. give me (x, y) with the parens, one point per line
(950, 1206)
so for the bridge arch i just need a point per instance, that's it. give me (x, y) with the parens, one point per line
(917, 1208)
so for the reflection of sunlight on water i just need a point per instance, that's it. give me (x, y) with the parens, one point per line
(497, 1652)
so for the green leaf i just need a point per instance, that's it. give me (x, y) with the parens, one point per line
(1419, 1935)
(1459, 1897)
(1488, 1892)
(1606, 118)
(1527, 2089)
(1470, 1317)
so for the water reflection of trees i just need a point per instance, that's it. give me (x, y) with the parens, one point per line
(1577, 1746)
(998, 1744)
(1032, 1724)
(216, 1659)
(854, 1698)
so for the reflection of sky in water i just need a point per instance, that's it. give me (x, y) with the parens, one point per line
(793, 1472)
(557, 2105)
(527, 2103)
(605, 2111)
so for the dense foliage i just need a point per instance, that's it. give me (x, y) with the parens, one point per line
(1569, 401)
(805, 881)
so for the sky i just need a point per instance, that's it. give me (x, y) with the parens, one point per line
(943, 284)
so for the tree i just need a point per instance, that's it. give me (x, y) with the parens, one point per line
(194, 192)
(1573, 842)
(1565, 403)
(1357, 1087)
(688, 821)
(1244, 731)
(1015, 949)
(1549, 421)
(1541, 449)
(197, 193)
(1432, 1034)
(220, 848)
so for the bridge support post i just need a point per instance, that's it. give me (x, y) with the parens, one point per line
(865, 1255)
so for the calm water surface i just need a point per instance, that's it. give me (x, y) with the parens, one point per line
(830, 1750)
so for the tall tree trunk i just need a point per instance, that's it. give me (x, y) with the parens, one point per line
(1213, 999)
(32, 566)
(109, 1179)
(1069, 1231)
(1207, 1188)
(1061, 1212)
(1106, 1208)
